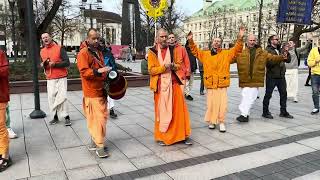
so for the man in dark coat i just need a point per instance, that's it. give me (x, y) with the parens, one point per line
(193, 68)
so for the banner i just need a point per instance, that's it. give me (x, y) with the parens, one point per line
(295, 11)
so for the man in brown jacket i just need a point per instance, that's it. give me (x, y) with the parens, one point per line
(251, 69)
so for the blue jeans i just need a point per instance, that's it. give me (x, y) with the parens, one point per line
(315, 83)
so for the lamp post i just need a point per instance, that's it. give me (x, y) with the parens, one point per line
(83, 7)
(33, 51)
(14, 48)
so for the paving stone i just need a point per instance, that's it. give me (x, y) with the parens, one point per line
(266, 169)
(147, 161)
(195, 151)
(117, 167)
(77, 157)
(312, 176)
(171, 156)
(52, 176)
(19, 169)
(162, 176)
(135, 130)
(90, 172)
(132, 148)
(45, 162)
(64, 137)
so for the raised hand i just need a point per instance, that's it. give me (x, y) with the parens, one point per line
(190, 36)
(242, 31)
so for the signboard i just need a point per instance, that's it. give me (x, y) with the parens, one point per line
(295, 11)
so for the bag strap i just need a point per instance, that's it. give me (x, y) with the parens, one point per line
(96, 57)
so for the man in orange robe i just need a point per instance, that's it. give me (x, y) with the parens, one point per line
(172, 121)
(93, 73)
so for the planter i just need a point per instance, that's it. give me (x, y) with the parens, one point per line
(16, 87)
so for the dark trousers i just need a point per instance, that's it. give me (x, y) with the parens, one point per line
(282, 88)
(315, 83)
(201, 85)
(309, 76)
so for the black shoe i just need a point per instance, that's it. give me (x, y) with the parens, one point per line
(286, 115)
(315, 111)
(267, 115)
(241, 118)
(190, 98)
(113, 115)
(55, 120)
(67, 122)
(187, 141)
(5, 164)
(102, 152)
(201, 93)
(307, 84)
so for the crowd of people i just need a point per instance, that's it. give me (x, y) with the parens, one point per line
(171, 67)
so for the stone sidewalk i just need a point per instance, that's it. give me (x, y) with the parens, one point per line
(45, 151)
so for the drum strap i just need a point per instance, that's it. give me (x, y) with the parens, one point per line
(96, 57)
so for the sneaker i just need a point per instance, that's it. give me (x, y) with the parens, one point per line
(101, 152)
(307, 85)
(295, 100)
(222, 127)
(54, 121)
(241, 118)
(161, 143)
(67, 122)
(212, 126)
(286, 115)
(188, 97)
(12, 134)
(187, 141)
(113, 115)
(92, 146)
(315, 111)
(267, 115)
(201, 93)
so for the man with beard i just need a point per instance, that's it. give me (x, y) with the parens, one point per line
(275, 77)
(93, 73)
(172, 121)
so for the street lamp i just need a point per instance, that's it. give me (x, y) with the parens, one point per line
(33, 54)
(12, 3)
(83, 7)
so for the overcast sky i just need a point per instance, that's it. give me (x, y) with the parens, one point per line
(188, 6)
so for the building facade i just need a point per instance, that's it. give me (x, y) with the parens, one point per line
(223, 19)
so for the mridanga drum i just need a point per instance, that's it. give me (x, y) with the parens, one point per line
(115, 85)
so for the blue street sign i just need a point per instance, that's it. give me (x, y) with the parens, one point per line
(295, 11)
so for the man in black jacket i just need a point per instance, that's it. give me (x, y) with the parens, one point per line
(275, 77)
(193, 68)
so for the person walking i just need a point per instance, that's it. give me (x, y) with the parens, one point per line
(314, 64)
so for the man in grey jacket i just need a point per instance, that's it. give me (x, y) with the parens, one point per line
(291, 75)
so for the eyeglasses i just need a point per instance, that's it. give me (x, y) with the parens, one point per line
(276, 39)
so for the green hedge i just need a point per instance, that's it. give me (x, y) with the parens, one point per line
(22, 71)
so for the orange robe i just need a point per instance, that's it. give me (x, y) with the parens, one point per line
(179, 128)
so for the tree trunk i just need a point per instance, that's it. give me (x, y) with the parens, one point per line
(138, 34)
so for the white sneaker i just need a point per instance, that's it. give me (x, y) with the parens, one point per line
(295, 100)
(212, 126)
(222, 127)
(12, 134)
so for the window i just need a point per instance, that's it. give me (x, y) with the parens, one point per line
(200, 26)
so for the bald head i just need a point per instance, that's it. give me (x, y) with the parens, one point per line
(92, 37)
(252, 41)
(162, 37)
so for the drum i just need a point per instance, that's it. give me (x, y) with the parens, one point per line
(116, 85)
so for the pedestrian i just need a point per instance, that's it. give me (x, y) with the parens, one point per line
(309, 69)
(134, 54)
(185, 65)
(5, 160)
(275, 77)
(93, 73)
(55, 61)
(201, 76)
(314, 64)
(251, 65)
(109, 60)
(216, 66)
(172, 120)
(292, 69)
(190, 79)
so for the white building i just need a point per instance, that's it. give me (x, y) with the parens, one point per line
(224, 17)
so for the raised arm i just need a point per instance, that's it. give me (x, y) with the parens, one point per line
(302, 49)
(198, 53)
(237, 49)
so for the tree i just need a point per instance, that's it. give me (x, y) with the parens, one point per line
(66, 21)
(172, 17)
